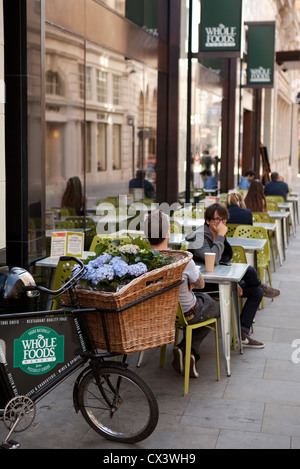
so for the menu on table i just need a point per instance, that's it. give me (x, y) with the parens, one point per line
(67, 243)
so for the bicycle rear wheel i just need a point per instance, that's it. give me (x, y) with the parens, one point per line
(123, 408)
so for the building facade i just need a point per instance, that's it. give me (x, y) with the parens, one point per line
(98, 89)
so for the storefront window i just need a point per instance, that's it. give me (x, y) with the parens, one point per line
(64, 113)
(206, 107)
(101, 114)
(101, 87)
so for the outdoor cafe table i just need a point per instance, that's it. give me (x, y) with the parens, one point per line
(250, 245)
(281, 222)
(289, 207)
(227, 277)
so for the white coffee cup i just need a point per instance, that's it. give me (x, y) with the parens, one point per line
(209, 261)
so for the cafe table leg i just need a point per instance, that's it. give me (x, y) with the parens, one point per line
(236, 312)
(225, 314)
(285, 232)
(251, 257)
(295, 210)
(279, 237)
(292, 215)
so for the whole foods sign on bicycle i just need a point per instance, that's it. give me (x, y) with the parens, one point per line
(38, 350)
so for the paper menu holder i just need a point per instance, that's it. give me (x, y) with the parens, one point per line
(209, 200)
(67, 243)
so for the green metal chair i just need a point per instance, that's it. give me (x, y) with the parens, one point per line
(223, 198)
(231, 227)
(263, 256)
(62, 273)
(265, 218)
(238, 255)
(244, 192)
(67, 211)
(256, 218)
(272, 206)
(181, 324)
(275, 198)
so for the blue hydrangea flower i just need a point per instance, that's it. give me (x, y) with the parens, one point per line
(120, 266)
(137, 269)
(103, 259)
(103, 272)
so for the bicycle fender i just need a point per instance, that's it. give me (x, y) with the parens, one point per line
(86, 370)
(76, 387)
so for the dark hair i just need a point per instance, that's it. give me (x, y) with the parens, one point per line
(255, 199)
(73, 197)
(156, 227)
(250, 173)
(140, 174)
(274, 176)
(206, 172)
(220, 209)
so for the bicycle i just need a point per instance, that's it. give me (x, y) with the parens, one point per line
(38, 350)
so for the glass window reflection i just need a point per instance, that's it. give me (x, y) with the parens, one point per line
(101, 115)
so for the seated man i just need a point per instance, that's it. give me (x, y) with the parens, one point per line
(276, 186)
(250, 287)
(247, 179)
(140, 182)
(209, 180)
(197, 307)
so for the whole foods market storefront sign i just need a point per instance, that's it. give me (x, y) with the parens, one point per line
(221, 36)
(261, 54)
(220, 28)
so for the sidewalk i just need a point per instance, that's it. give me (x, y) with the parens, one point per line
(257, 407)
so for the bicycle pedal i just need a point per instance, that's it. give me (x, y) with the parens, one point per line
(11, 444)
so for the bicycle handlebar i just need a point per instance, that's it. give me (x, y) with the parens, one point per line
(67, 285)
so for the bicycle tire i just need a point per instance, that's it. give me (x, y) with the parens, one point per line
(127, 415)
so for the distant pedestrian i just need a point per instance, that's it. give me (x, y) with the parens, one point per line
(247, 179)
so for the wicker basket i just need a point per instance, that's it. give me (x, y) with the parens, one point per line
(142, 326)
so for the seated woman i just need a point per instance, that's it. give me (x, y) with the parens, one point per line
(73, 196)
(238, 213)
(255, 199)
(214, 240)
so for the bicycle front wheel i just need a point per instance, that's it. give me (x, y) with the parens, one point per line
(122, 408)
